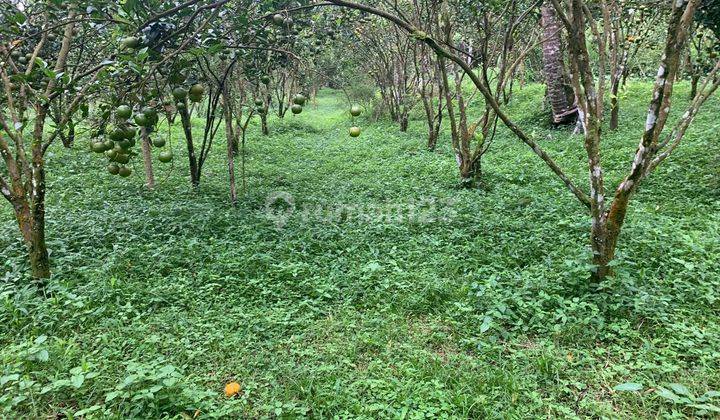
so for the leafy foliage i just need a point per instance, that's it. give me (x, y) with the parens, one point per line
(709, 15)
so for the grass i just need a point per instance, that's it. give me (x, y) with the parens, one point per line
(381, 289)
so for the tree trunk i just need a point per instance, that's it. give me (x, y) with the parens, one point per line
(187, 129)
(614, 105)
(231, 139)
(404, 122)
(695, 79)
(32, 226)
(605, 232)
(147, 159)
(554, 67)
(264, 124)
(469, 171)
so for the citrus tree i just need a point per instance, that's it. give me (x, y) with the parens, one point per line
(656, 143)
(53, 58)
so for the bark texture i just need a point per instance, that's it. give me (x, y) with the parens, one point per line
(561, 104)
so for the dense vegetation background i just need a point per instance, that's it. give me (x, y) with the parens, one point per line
(160, 298)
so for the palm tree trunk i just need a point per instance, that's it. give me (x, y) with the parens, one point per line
(559, 96)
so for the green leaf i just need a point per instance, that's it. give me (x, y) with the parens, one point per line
(708, 407)
(709, 395)
(42, 356)
(667, 394)
(7, 378)
(87, 410)
(628, 386)
(77, 380)
(112, 395)
(487, 323)
(680, 389)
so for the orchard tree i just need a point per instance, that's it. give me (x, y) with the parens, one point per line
(55, 58)
(623, 31)
(388, 56)
(502, 36)
(52, 55)
(656, 143)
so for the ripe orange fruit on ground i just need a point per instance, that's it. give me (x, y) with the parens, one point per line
(231, 389)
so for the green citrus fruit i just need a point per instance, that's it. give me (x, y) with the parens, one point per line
(197, 89)
(165, 156)
(141, 120)
(131, 42)
(124, 171)
(123, 112)
(117, 134)
(299, 99)
(113, 168)
(179, 94)
(354, 131)
(129, 133)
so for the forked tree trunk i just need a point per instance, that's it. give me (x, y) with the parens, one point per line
(147, 159)
(605, 233)
(554, 67)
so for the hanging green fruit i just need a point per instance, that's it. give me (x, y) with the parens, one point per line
(299, 99)
(165, 156)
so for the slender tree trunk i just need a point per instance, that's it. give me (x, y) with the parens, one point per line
(187, 129)
(404, 122)
(614, 105)
(695, 79)
(231, 139)
(147, 159)
(264, 124)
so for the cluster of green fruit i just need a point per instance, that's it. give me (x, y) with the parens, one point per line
(195, 94)
(117, 147)
(281, 20)
(355, 111)
(298, 102)
(22, 59)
